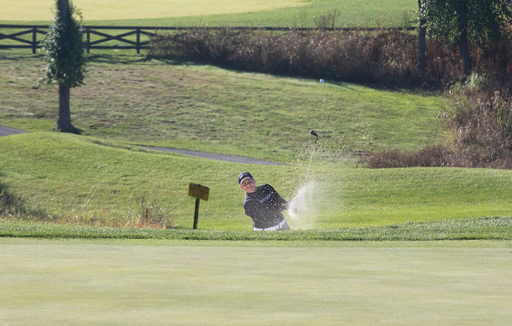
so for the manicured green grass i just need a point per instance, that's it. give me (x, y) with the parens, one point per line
(77, 180)
(386, 196)
(287, 13)
(499, 228)
(206, 108)
(236, 283)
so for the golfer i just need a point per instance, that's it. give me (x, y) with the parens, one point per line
(263, 204)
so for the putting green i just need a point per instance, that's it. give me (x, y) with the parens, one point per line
(74, 282)
(26, 10)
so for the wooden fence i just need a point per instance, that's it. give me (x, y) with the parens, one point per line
(26, 36)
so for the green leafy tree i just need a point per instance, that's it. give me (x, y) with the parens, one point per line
(458, 21)
(65, 58)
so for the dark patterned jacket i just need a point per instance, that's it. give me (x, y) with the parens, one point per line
(264, 206)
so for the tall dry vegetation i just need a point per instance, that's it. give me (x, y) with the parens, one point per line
(147, 211)
(351, 56)
(384, 57)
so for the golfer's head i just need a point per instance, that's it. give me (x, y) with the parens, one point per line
(246, 182)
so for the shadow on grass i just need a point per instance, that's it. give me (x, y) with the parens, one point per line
(415, 87)
(128, 57)
(6, 199)
(3, 187)
(18, 55)
(116, 58)
(12, 205)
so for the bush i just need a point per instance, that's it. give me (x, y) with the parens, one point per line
(354, 56)
(481, 133)
(482, 130)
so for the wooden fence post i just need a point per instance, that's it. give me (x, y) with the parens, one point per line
(88, 39)
(34, 40)
(138, 40)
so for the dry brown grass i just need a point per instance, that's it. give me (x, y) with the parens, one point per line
(377, 57)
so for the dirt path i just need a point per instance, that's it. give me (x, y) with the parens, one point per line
(6, 131)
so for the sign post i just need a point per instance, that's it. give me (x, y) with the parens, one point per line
(199, 192)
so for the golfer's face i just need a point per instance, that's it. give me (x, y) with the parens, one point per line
(248, 185)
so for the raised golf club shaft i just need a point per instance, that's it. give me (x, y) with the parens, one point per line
(312, 132)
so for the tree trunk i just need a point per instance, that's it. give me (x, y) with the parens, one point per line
(64, 121)
(464, 52)
(64, 8)
(421, 46)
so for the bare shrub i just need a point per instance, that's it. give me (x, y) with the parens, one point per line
(430, 156)
(153, 213)
(481, 135)
(328, 20)
(482, 130)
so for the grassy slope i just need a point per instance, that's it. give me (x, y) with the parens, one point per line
(62, 172)
(289, 13)
(207, 108)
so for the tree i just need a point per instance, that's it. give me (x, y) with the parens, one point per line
(458, 21)
(421, 44)
(65, 58)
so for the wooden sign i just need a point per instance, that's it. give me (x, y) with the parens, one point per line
(198, 191)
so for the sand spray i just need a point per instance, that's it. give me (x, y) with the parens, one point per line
(303, 215)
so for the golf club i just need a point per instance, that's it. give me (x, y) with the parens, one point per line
(312, 132)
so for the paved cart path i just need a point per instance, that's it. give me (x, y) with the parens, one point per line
(6, 131)
(213, 156)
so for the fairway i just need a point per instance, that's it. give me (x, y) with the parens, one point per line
(282, 13)
(135, 9)
(75, 282)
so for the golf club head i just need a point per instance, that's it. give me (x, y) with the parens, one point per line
(313, 133)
